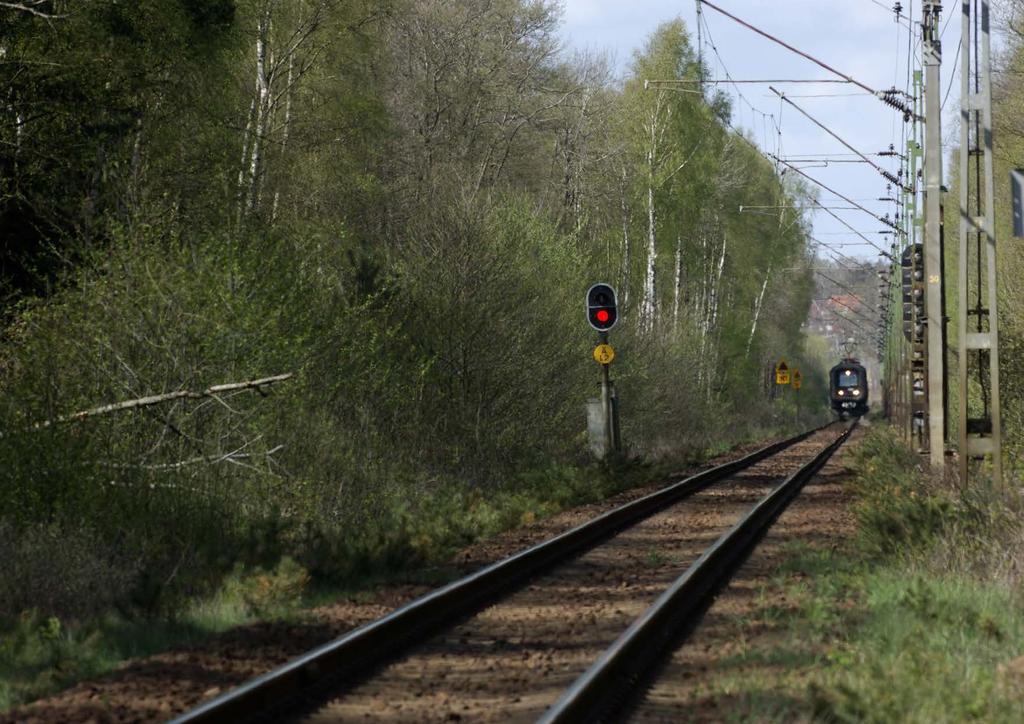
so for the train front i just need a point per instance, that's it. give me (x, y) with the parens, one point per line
(848, 388)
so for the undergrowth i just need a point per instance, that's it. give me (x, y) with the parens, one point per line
(42, 653)
(918, 619)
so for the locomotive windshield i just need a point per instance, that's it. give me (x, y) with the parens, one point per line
(849, 378)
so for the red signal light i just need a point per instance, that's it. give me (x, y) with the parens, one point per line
(602, 315)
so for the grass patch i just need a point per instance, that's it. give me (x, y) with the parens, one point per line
(40, 655)
(925, 648)
(917, 619)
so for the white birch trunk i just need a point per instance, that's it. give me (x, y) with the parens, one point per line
(716, 290)
(287, 124)
(677, 285)
(19, 134)
(757, 310)
(713, 333)
(701, 302)
(262, 100)
(648, 304)
(243, 164)
(15, 111)
(626, 261)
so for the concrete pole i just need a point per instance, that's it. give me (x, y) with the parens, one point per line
(935, 314)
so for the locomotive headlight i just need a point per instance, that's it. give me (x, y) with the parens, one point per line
(841, 392)
(856, 393)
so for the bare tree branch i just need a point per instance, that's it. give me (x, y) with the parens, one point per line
(209, 460)
(211, 392)
(30, 6)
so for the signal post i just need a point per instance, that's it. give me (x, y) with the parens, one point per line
(796, 382)
(602, 315)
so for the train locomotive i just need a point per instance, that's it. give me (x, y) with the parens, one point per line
(848, 388)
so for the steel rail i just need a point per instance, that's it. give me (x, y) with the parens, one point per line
(601, 692)
(354, 656)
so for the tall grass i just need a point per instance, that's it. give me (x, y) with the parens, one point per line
(936, 630)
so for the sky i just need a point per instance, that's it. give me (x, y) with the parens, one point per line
(860, 38)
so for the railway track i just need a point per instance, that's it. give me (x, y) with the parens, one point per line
(505, 641)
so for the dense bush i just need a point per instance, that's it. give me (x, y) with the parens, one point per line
(894, 510)
(406, 224)
(63, 571)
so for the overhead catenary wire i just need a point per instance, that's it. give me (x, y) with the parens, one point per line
(836, 251)
(837, 258)
(857, 94)
(886, 97)
(815, 202)
(841, 264)
(778, 160)
(694, 81)
(848, 320)
(859, 314)
(845, 287)
(889, 9)
(845, 223)
(823, 162)
(832, 191)
(952, 76)
(784, 44)
(887, 175)
(729, 79)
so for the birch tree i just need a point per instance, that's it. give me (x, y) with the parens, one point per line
(667, 127)
(286, 46)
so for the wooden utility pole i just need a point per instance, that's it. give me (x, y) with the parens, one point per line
(977, 319)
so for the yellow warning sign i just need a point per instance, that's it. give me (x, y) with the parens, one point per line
(782, 373)
(604, 353)
(797, 380)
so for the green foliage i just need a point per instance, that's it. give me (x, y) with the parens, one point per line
(268, 594)
(927, 649)
(41, 654)
(401, 205)
(895, 510)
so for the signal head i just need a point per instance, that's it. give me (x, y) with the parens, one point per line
(602, 307)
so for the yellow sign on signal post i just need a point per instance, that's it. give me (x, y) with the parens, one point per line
(604, 354)
(782, 373)
(797, 380)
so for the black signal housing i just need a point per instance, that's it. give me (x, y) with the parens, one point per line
(602, 307)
